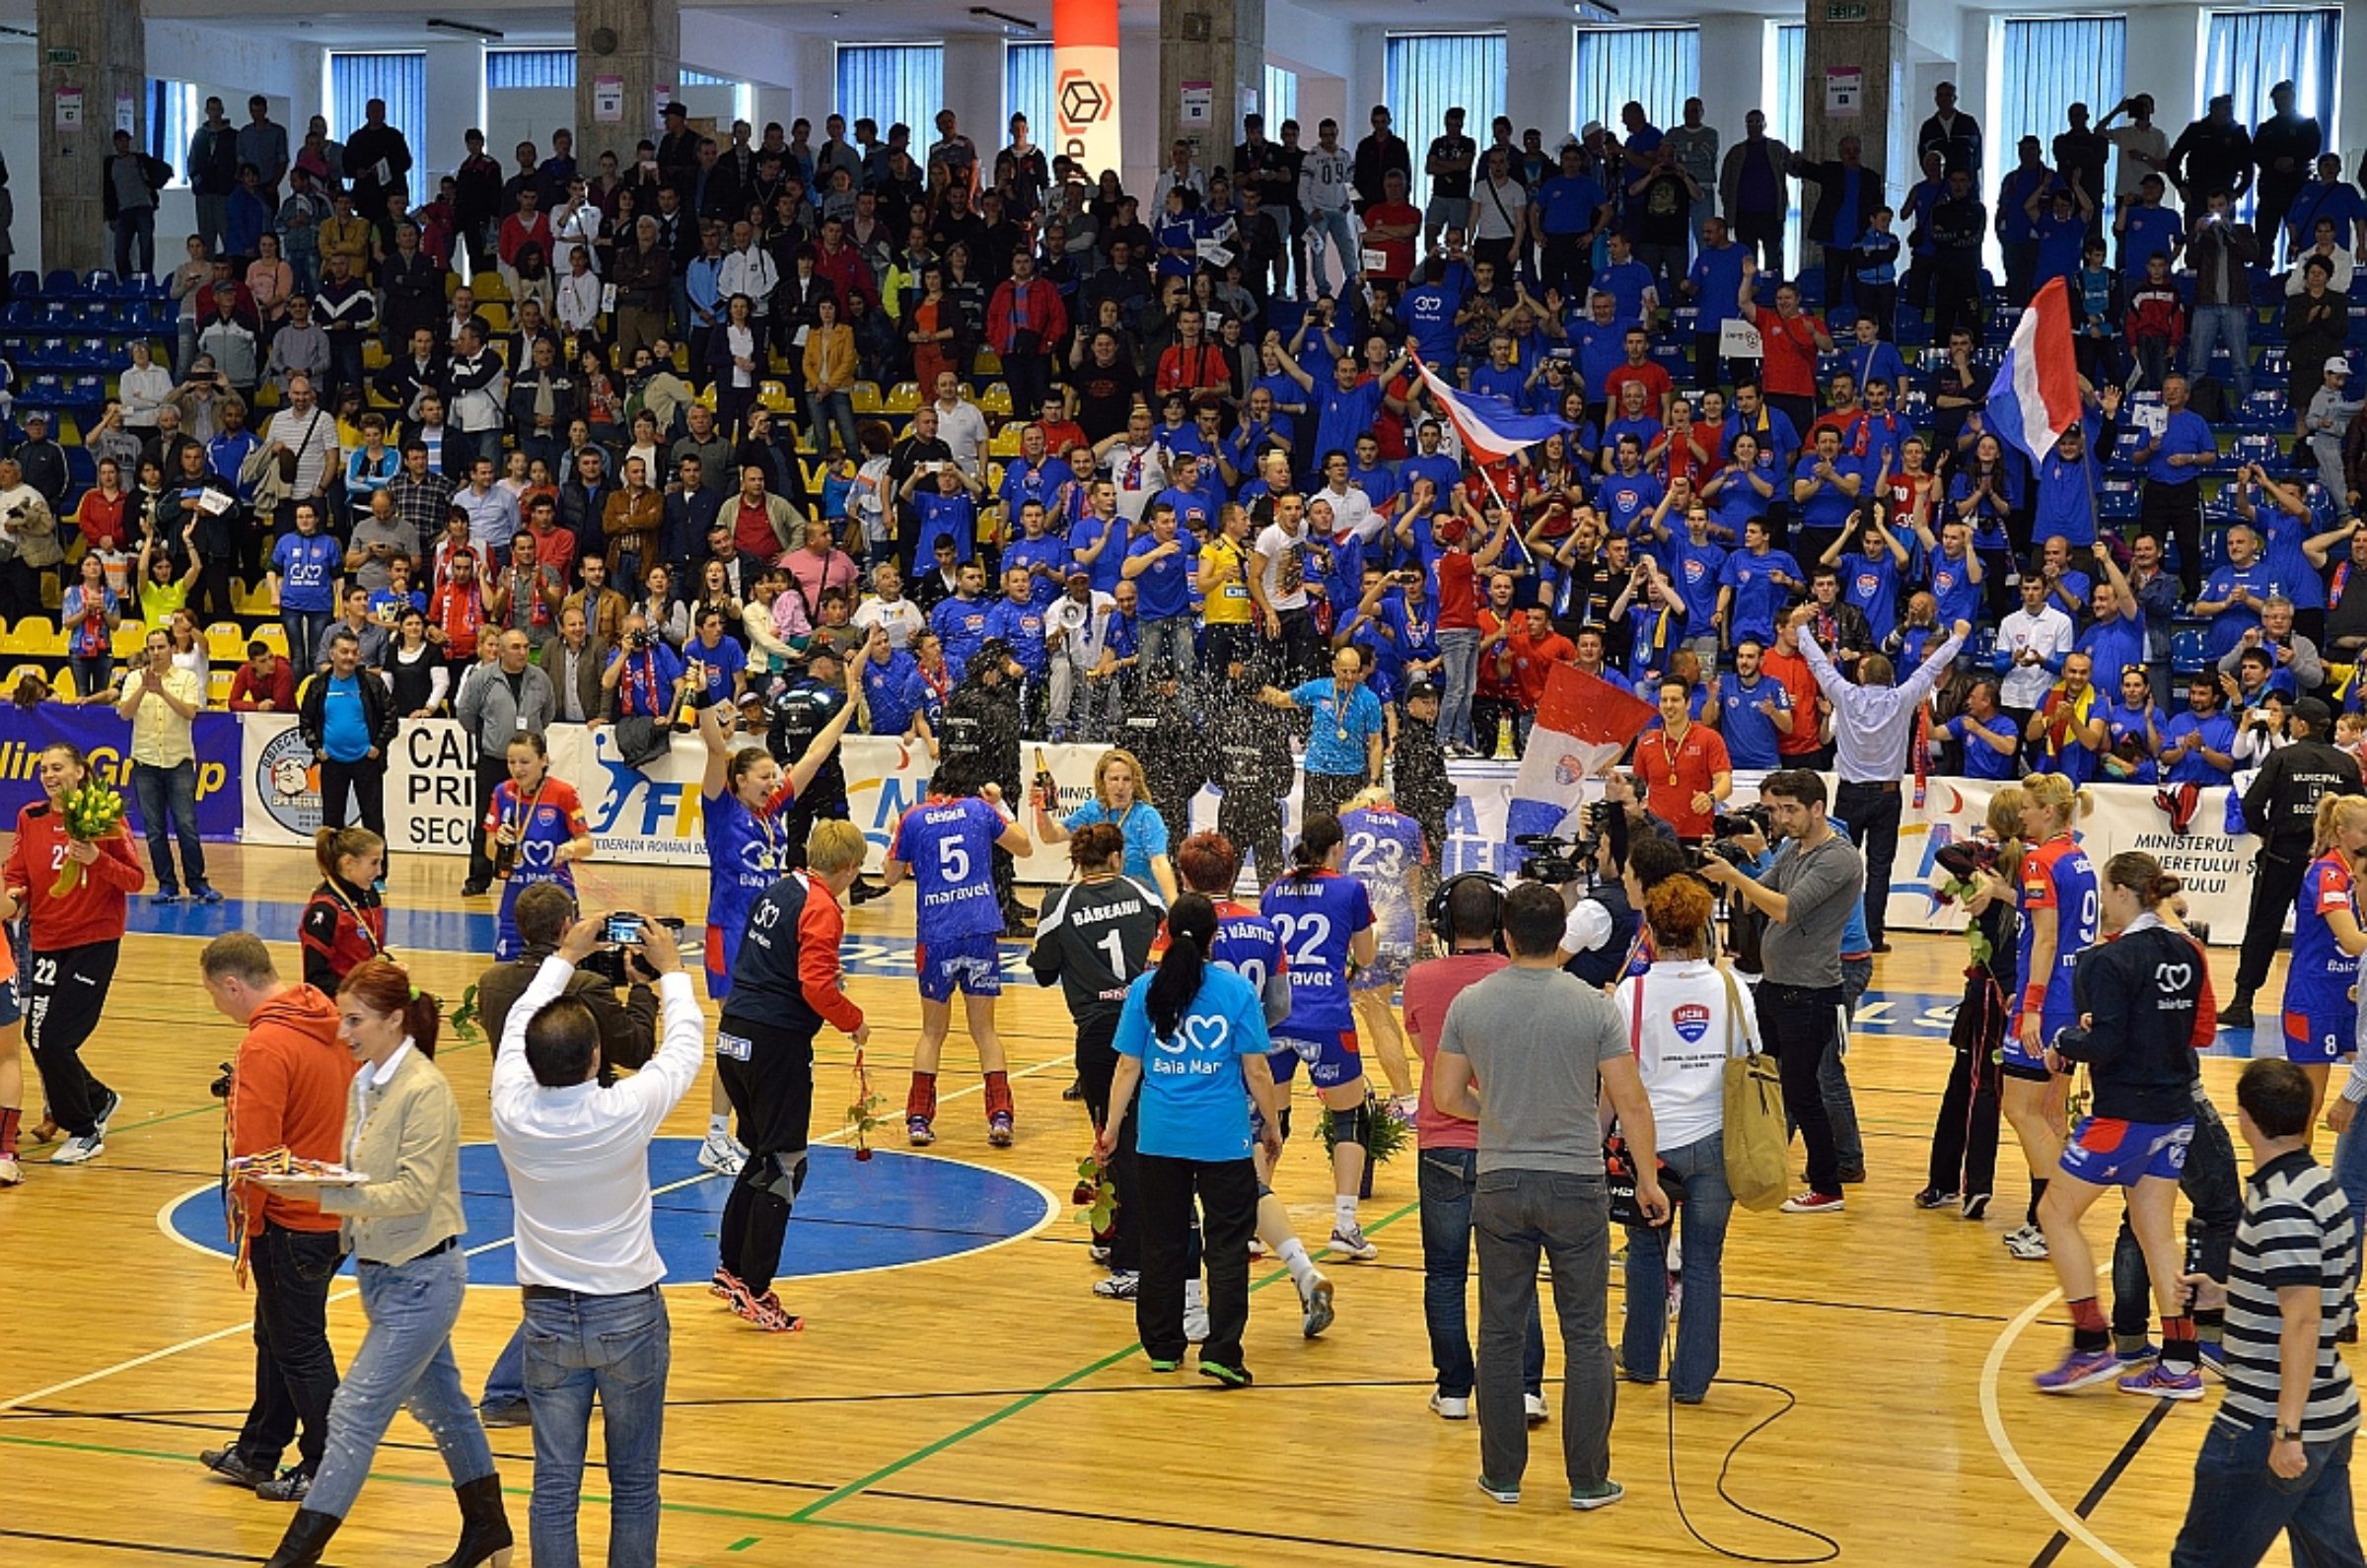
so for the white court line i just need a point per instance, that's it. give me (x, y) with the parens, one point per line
(2070, 1524)
(164, 1223)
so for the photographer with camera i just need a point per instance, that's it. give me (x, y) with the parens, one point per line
(1873, 722)
(1807, 895)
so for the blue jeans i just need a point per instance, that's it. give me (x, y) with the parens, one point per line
(2350, 1171)
(1340, 228)
(1446, 1177)
(1166, 640)
(2226, 327)
(2239, 1506)
(506, 1382)
(1460, 650)
(1708, 1204)
(305, 630)
(405, 1362)
(174, 790)
(619, 1348)
(833, 410)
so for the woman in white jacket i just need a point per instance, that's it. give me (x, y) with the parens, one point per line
(1687, 1016)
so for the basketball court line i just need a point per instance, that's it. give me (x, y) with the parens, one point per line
(2067, 1523)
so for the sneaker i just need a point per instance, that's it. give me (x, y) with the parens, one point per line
(722, 1154)
(165, 895)
(1123, 1285)
(1934, 1198)
(918, 1132)
(1074, 1092)
(291, 1487)
(1162, 1363)
(11, 1174)
(768, 1314)
(1975, 1205)
(1097, 1252)
(2027, 1243)
(1586, 1499)
(2236, 1014)
(725, 1284)
(1225, 1377)
(1401, 1108)
(1854, 1176)
(998, 1129)
(1450, 1408)
(2143, 1355)
(1314, 1307)
(1350, 1243)
(80, 1149)
(106, 1113)
(475, 889)
(1502, 1494)
(1256, 1249)
(1812, 1202)
(1533, 1408)
(205, 892)
(2080, 1369)
(2160, 1383)
(1196, 1324)
(231, 1466)
(510, 1413)
(2210, 1359)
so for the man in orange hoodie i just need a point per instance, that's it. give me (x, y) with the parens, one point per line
(288, 1088)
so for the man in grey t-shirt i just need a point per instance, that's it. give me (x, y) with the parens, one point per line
(1807, 895)
(379, 535)
(1546, 1046)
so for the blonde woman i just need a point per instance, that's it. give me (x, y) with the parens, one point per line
(1121, 797)
(2060, 913)
(2321, 1010)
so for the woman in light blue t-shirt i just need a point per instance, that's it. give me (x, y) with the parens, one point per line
(1122, 799)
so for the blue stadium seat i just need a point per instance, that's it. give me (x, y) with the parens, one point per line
(2253, 448)
(2270, 366)
(26, 285)
(86, 391)
(99, 353)
(81, 469)
(61, 284)
(45, 390)
(98, 283)
(2185, 650)
(2264, 410)
(2117, 501)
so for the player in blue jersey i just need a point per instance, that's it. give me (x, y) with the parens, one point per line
(1250, 944)
(2060, 913)
(2321, 1003)
(945, 844)
(1326, 925)
(535, 824)
(741, 798)
(1386, 851)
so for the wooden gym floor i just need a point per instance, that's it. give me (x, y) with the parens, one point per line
(986, 1408)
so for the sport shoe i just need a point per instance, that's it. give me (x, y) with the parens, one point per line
(1123, 1285)
(509, 1412)
(2079, 1370)
(725, 1284)
(106, 1113)
(768, 1314)
(2210, 1359)
(2160, 1383)
(1450, 1408)
(1533, 1408)
(79, 1150)
(1315, 1306)
(1196, 1324)
(1402, 1108)
(1934, 1198)
(998, 1129)
(2236, 1015)
(918, 1133)
(1350, 1243)
(291, 1487)
(1975, 1205)
(1223, 1376)
(231, 1466)
(1502, 1494)
(1096, 1253)
(165, 895)
(205, 892)
(1162, 1363)
(11, 1172)
(1589, 1498)
(722, 1154)
(1812, 1202)
(2027, 1243)
(2143, 1355)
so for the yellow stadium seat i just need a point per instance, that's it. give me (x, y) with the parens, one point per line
(996, 399)
(266, 395)
(50, 593)
(488, 286)
(989, 363)
(218, 683)
(1005, 442)
(994, 479)
(681, 358)
(775, 395)
(904, 397)
(496, 315)
(272, 636)
(373, 355)
(33, 632)
(131, 640)
(21, 670)
(813, 472)
(866, 397)
(225, 642)
(707, 397)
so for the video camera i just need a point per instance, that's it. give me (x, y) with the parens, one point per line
(1556, 861)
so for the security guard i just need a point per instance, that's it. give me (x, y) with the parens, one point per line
(1163, 731)
(1255, 770)
(2282, 808)
(1419, 771)
(795, 715)
(982, 722)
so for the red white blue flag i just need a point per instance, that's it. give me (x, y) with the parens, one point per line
(2036, 396)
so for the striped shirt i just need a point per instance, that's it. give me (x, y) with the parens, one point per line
(2296, 1231)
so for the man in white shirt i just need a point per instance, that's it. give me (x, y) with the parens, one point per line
(1351, 509)
(2032, 644)
(578, 1160)
(751, 270)
(1278, 569)
(891, 608)
(960, 424)
(1136, 463)
(1076, 633)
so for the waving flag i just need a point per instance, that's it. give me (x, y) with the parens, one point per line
(1491, 428)
(2036, 396)
(1582, 726)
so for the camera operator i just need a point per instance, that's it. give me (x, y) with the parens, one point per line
(1807, 895)
(2282, 808)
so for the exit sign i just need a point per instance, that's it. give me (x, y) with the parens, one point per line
(1845, 10)
(56, 57)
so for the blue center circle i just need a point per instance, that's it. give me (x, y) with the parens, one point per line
(852, 1216)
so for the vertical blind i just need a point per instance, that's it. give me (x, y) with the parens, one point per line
(2046, 64)
(1280, 100)
(1656, 67)
(1783, 122)
(400, 79)
(892, 83)
(1028, 89)
(1424, 75)
(2249, 51)
(529, 68)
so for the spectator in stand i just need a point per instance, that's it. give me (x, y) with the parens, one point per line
(265, 683)
(2212, 154)
(1752, 192)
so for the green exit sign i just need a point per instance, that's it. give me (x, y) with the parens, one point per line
(56, 57)
(1845, 10)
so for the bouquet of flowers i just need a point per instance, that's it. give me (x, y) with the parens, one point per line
(92, 813)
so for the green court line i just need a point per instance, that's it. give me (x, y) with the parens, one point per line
(744, 1543)
(807, 1513)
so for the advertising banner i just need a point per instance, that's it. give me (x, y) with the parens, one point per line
(1085, 84)
(107, 741)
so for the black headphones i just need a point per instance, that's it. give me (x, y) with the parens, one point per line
(1443, 924)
